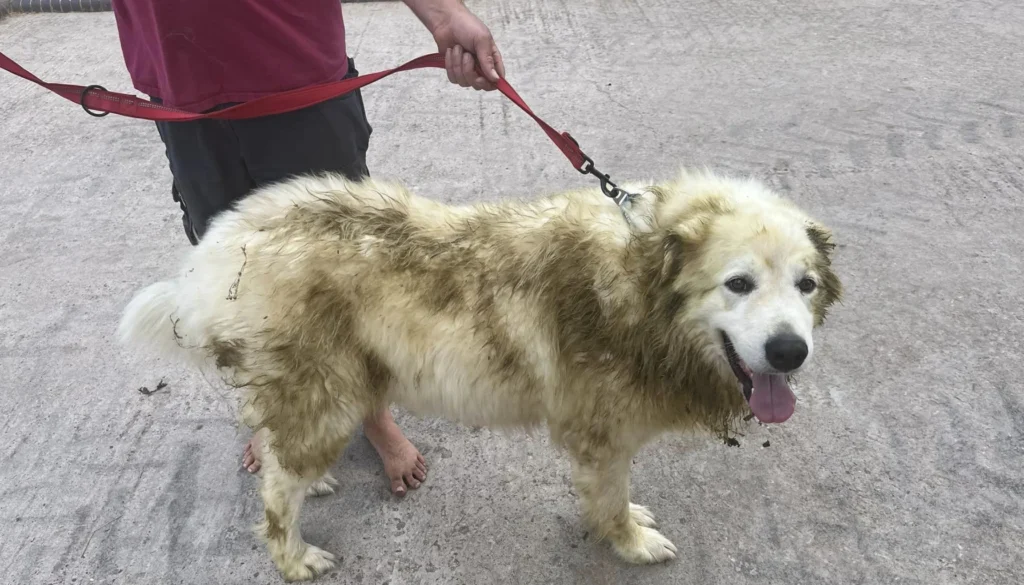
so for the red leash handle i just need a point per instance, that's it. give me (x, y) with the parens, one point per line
(94, 98)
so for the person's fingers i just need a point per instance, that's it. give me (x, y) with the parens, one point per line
(474, 79)
(449, 64)
(499, 63)
(457, 60)
(485, 56)
(483, 84)
(484, 75)
(480, 69)
(468, 69)
(456, 63)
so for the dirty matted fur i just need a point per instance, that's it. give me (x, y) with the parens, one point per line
(325, 299)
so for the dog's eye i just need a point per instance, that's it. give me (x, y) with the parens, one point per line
(740, 285)
(807, 285)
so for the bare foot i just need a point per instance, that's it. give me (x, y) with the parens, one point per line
(251, 455)
(403, 464)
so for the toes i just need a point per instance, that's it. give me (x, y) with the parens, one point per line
(250, 463)
(398, 486)
(659, 547)
(313, 563)
(404, 466)
(318, 560)
(642, 516)
(660, 552)
(329, 480)
(249, 460)
(646, 546)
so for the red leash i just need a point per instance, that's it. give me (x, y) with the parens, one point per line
(94, 98)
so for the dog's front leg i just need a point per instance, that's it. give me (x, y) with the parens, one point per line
(601, 476)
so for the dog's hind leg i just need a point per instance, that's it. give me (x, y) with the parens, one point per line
(283, 492)
(305, 430)
(601, 477)
(325, 486)
(322, 487)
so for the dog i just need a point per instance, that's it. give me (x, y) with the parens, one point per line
(325, 299)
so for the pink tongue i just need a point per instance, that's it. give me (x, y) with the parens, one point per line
(772, 401)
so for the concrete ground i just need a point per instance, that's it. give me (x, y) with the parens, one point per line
(899, 123)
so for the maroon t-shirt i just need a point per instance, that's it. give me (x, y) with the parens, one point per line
(195, 54)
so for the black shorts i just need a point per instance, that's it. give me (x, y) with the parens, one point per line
(217, 162)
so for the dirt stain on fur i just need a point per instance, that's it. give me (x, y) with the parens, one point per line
(274, 529)
(227, 353)
(233, 289)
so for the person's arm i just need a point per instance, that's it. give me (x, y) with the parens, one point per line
(463, 39)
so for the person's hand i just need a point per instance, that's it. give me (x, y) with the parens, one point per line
(465, 41)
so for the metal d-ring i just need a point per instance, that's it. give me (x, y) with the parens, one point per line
(81, 101)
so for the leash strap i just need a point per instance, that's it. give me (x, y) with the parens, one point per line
(97, 101)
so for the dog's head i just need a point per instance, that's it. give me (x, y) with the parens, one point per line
(753, 277)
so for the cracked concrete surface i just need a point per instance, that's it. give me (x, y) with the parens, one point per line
(899, 123)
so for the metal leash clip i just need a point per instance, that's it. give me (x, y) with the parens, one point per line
(616, 194)
(613, 191)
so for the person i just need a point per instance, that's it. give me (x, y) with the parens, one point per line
(202, 56)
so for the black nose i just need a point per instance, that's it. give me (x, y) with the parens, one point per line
(786, 351)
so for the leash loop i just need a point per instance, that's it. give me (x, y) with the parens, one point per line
(81, 100)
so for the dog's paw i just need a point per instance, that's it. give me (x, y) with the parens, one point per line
(314, 562)
(318, 560)
(323, 486)
(642, 516)
(645, 546)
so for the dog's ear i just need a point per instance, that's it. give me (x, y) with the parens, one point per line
(821, 237)
(681, 244)
(672, 250)
(831, 289)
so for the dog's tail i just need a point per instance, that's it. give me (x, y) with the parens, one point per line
(149, 319)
